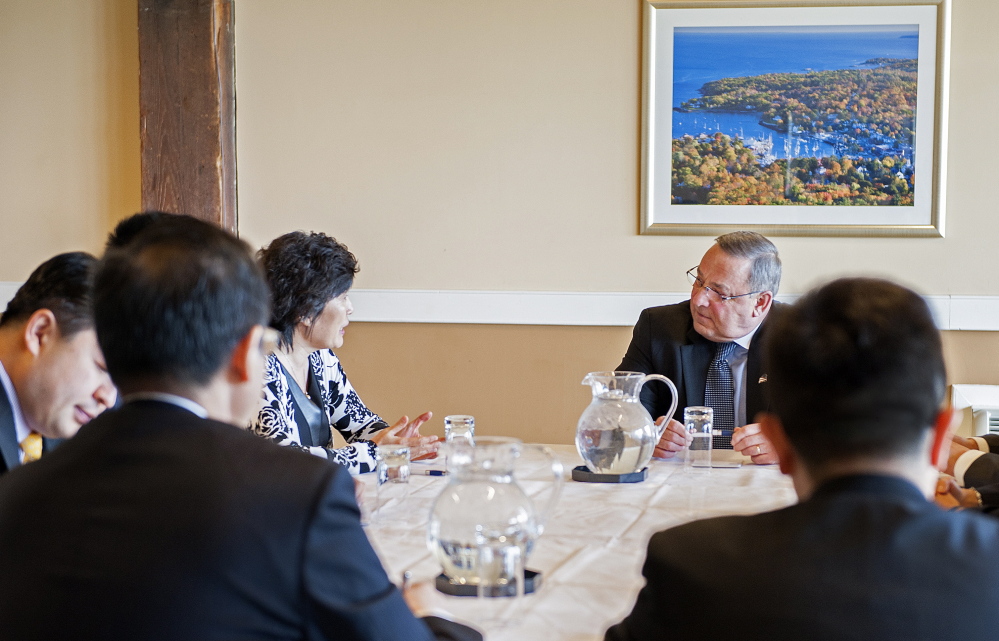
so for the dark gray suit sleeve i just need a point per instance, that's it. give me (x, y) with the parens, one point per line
(983, 471)
(348, 593)
(639, 358)
(646, 621)
(993, 441)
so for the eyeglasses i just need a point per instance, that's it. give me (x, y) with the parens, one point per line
(696, 281)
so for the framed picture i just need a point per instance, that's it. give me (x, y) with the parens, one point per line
(800, 118)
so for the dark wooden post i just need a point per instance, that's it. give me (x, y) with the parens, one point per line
(187, 105)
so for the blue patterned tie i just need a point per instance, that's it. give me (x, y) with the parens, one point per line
(719, 394)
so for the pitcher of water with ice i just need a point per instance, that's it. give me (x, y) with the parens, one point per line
(616, 436)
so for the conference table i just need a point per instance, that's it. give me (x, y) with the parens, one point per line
(593, 547)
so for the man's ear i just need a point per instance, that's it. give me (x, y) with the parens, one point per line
(763, 303)
(773, 430)
(240, 362)
(40, 330)
(944, 427)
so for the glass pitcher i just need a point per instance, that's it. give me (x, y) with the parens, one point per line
(483, 517)
(615, 434)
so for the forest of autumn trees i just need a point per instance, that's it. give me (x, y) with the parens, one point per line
(720, 170)
(867, 113)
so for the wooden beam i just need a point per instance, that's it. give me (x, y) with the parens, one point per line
(187, 105)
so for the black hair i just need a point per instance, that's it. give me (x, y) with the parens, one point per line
(855, 369)
(63, 285)
(175, 300)
(129, 228)
(305, 272)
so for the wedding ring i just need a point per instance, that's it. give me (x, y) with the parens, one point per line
(759, 450)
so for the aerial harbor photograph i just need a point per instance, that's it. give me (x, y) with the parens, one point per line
(794, 115)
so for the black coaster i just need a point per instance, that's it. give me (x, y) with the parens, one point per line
(584, 475)
(532, 581)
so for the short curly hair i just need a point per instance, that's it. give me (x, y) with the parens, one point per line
(304, 271)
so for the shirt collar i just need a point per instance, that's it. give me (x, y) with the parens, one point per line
(746, 340)
(21, 428)
(172, 399)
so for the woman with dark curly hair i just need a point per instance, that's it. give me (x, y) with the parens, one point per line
(306, 393)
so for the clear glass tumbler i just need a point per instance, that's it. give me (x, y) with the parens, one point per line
(393, 482)
(459, 426)
(698, 421)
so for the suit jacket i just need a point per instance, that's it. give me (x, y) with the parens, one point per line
(867, 557)
(10, 449)
(983, 474)
(155, 524)
(665, 342)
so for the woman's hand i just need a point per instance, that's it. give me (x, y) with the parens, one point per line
(406, 432)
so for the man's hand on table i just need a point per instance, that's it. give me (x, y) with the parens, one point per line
(968, 443)
(673, 440)
(958, 447)
(950, 495)
(749, 441)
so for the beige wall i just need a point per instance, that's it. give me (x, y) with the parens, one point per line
(453, 144)
(69, 126)
(524, 380)
(456, 144)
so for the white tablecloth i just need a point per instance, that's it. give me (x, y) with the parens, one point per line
(592, 551)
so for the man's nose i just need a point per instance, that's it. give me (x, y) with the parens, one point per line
(106, 394)
(700, 296)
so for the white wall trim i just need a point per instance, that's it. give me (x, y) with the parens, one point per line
(589, 308)
(620, 309)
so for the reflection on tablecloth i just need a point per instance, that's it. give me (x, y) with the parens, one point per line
(592, 551)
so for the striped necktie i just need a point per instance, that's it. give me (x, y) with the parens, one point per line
(719, 395)
(32, 447)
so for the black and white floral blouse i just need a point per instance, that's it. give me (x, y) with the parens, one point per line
(345, 411)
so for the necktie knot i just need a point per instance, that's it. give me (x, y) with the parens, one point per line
(724, 350)
(32, 447)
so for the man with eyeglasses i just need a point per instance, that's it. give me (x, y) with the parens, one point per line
(710, 346)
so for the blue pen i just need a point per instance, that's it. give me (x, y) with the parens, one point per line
(431, 472)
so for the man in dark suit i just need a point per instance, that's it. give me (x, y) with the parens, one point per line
(974, 474)
(709, 346)
(856, 385)
(162, 520)
(51, 367)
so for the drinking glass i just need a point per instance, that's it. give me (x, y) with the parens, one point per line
(698, 421)
(500, 577)
(459, 426)
(393, 482)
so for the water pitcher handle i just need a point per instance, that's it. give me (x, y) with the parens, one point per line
(672, 408)
(557, 474)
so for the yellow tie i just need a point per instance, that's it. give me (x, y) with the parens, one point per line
(32, 447)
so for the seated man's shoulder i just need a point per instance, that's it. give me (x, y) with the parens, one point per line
(669, 320)
(708, 537)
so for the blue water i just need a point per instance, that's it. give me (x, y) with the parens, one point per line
(701, 55)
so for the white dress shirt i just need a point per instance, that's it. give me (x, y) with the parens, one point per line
(737, 361)
(172, 399)
(964, 461)
(21, 429)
